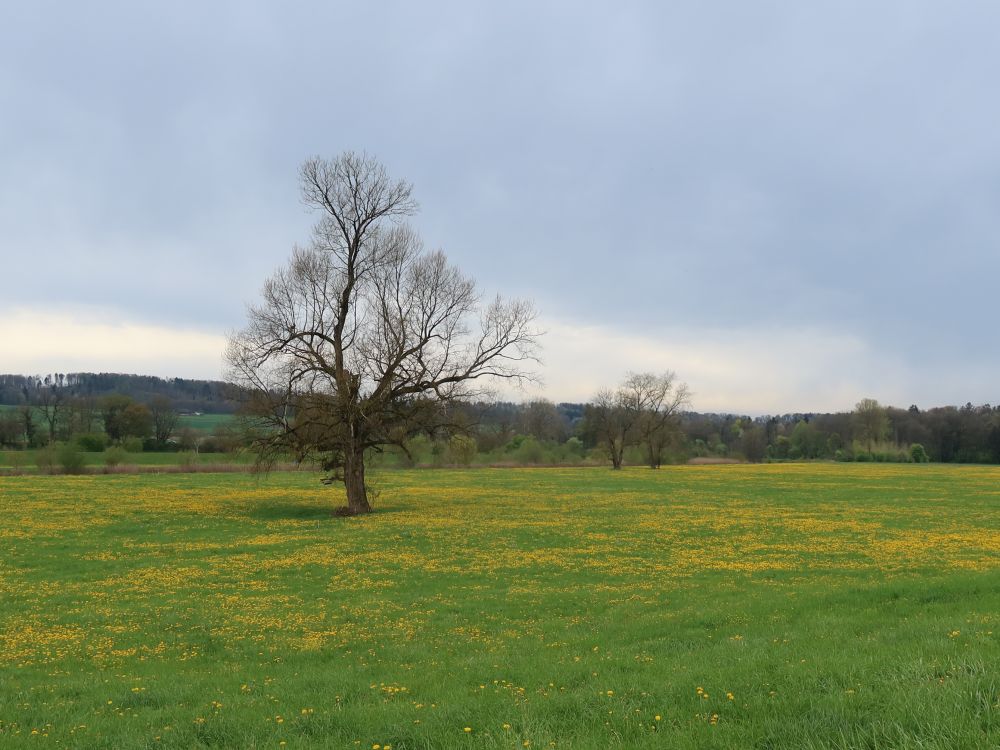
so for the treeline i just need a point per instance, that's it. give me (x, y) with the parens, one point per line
(949, 434)
(93, 424)
(185, 395)
(641, 423)
(541, 432)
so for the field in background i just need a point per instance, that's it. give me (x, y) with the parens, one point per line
(27, 460)
(205, 422)
(713, 606)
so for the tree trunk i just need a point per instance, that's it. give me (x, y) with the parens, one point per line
(617, 453)
(354, 481)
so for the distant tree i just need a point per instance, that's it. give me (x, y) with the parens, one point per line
(642, 410)
(164, 418)
(806, 441)
(51, 403)
(659, 399)
(993, 444)
(82, 414)
(612, 422)
(871, 422)
(462, 449)
(26, 413)
(188, 439)
(753, 443)
(542, 420)
(136, 421)
(11, 429)
(111, 409)
(121, 418)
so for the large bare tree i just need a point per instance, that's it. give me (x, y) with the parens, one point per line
(364, 338)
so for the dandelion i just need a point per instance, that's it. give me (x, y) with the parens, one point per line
(467, 730)
(657, 717)
(730, 696)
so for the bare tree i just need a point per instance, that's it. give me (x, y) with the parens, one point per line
(52, 403)
(364, 339)
(642, 410)
(164, 416)
(658, 399)
(612, 421)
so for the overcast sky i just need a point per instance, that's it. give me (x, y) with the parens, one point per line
(793, 205)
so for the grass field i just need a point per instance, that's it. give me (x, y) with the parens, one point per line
(798, 606)
(205, 422)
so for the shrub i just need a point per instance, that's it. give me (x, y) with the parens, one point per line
(70, 458)
(574, 447)
(114, 456)
(152, 445)
(133, 444)
(16, 461)
(92, 442)
(918, 455)
(45, 458)
(462, 449)
(188, 459)
(530, 451)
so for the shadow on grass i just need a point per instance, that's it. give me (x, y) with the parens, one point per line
(295, 511)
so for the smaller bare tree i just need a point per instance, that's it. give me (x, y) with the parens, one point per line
(658, 400)
(642, 411)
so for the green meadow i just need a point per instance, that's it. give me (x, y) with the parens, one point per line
(770, 606)
(205, 422)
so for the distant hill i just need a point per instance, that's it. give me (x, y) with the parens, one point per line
(210, 396)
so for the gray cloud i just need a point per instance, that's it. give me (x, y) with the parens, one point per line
(826, 167)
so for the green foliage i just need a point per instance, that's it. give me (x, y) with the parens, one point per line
(918, 455)
(92, 442)
(574, 447)
(530, 451)
(462, 449)
(132, 444)
(45, 458)
(70, 458)
(114, 456)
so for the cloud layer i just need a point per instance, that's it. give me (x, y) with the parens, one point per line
(775, 199)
